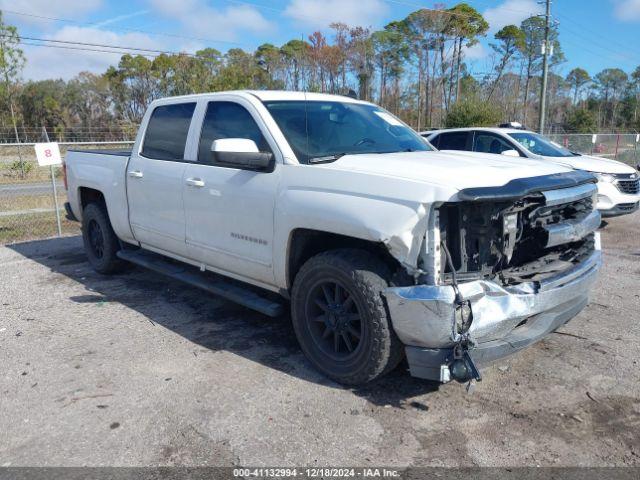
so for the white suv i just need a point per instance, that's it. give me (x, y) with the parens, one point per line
(618, 184)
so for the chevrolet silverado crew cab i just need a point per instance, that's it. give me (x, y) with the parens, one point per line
(382, 247)
(618, 184)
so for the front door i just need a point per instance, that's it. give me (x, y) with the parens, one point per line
(155, 180)
(229, 211)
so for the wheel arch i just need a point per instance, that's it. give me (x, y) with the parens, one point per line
(87, 195)
(305, 243)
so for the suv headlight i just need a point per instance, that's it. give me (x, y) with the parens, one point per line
(604, 177)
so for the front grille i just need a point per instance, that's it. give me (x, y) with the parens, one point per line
(537, 235)
(627, 184)
(627, 207)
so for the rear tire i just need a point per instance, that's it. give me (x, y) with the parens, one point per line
(340, 316)
(100, 241)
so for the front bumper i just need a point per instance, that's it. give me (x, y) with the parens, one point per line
(505, 320)
(620, 209)
(612, 202)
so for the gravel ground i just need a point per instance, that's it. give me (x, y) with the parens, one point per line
(136, 370)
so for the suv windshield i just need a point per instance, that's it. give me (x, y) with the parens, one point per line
(323, 131)
(540, 145)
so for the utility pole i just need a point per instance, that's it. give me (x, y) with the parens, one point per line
(546, 48)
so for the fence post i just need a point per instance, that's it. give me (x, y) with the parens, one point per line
(615, 156)
(55, 190)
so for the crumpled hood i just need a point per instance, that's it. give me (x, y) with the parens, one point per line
(455, 169)
(592, 164)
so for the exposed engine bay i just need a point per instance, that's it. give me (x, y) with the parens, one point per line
(514, 241)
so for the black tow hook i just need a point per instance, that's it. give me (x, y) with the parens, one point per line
(462, 368)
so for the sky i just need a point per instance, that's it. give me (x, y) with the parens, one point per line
(594, 34)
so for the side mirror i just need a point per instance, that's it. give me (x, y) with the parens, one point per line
(510, 153)
(240, 153)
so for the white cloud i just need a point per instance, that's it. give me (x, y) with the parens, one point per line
(627, 10)
(321, 13)
(475, 52)
(46, 62)
(120, 18)
(511, 12)
(197, 18)
(43, 8)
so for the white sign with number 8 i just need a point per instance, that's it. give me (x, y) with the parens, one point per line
(48, 154)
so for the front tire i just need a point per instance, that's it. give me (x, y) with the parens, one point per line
(100, 241)
(340, 317)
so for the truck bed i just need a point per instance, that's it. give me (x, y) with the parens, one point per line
(103, 171)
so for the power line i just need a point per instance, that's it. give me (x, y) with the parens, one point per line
(599, 46)
(87, 44)
(254, 4)
(596, 34)
(396, 2)
(65, 47)
(103, 48)
(133, 30)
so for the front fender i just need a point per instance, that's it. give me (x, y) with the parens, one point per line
(399, 225)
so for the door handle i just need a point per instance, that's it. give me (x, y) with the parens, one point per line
(136, 174)
(194, 182)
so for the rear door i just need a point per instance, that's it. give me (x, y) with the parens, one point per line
(155, 179)
(229, 211)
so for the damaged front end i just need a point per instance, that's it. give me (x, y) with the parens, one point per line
(502, 267)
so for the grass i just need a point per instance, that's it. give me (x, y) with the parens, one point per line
(33, 225)
(20, 228)
(28, 202)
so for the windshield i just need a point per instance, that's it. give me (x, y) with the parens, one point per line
(323, 131)
(540, 145)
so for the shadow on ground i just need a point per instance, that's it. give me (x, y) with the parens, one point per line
(208, 321)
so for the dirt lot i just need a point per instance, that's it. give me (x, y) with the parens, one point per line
(135, 370)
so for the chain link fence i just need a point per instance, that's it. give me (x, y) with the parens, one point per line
(27, 204)
(618, 146)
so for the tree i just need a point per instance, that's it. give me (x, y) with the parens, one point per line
(511, 40)
(134, 85)
(341, 41)
(11, 63)
(361, 59)
(423, 31)
(390, 54)
(268, 58)
(294, 53)
(533, 28)
(577, 79)
(473, 112)
(240, 71)
(611, 82)
(43, 104)
(580, 121)
(635, 86)
(465, 24)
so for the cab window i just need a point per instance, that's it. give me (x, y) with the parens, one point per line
(167, 131)
(228, 120)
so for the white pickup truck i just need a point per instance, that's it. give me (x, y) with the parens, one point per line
(383, 247)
